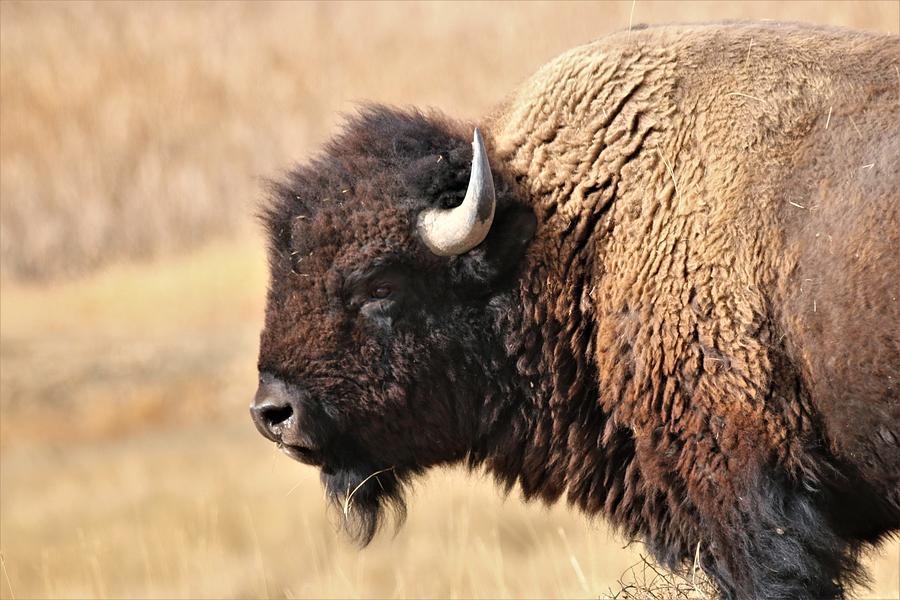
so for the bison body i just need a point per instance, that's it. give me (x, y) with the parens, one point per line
(682, 315)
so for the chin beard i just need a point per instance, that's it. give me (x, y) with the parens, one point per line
(363, 497)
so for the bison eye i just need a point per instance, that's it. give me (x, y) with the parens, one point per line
(380, 291)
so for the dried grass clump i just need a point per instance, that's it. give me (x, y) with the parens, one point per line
(645, 580)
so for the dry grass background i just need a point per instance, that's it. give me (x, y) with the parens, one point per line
(140, 131)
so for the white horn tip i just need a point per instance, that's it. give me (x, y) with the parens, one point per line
(449, 232)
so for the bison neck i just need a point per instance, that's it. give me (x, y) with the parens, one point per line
(652, 381)
(547, 430)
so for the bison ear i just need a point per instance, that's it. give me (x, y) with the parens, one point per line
(504, 248)
(509, 237)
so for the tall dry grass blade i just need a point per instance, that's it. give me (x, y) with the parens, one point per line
(573, 560)
(695, 566)
(12, 594)
(743, 95)
(856, 127)
(349, 497)
(257, 550)
(294, 488)
(669, 168)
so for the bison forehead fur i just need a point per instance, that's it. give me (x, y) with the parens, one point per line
(684, 315)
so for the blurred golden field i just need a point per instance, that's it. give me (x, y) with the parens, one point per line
(133, 142)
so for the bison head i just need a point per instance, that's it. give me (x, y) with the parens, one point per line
(393, 258)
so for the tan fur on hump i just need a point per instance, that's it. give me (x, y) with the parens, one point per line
(672, 153)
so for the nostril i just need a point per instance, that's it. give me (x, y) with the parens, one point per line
(277, 409)
(276, 415)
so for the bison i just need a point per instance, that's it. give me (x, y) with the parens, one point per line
(661, 282)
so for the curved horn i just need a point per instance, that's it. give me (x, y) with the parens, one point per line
(452, 231)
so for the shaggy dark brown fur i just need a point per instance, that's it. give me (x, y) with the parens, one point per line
(684, 317)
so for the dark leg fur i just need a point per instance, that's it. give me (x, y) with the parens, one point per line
(781, 545)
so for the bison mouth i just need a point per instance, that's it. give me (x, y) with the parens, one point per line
(364, 497)
(361, 492)
(303, 454)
